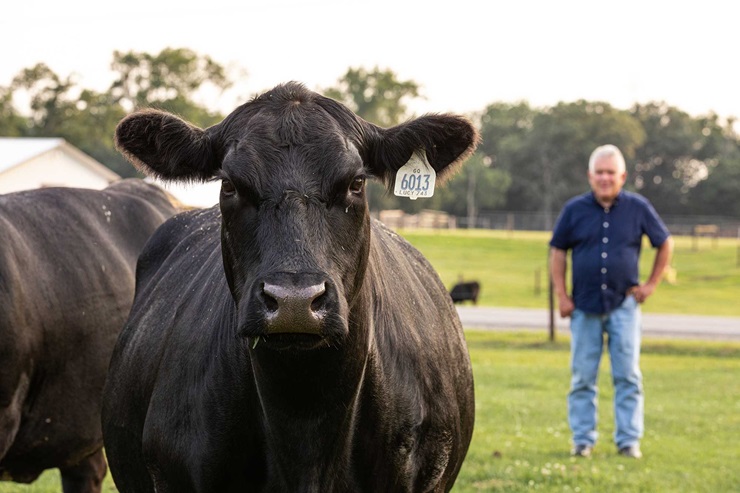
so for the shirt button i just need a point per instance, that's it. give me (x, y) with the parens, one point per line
(606, 210)
(603, 270)
(603, 255)
(605, 239)
(606, 224)
(603, 286)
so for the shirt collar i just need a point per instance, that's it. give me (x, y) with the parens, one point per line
(614, 204)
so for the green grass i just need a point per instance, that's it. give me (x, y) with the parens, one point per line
(512, 269)
(521, 436)
(49, 482)
(521, 440)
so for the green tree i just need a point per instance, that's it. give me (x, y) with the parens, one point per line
(50, 99)
(167, 80)
(505, 130)
(378, 95)
(12, 124)
(87, 119)
(679, 153)
(718, 193)
(91, 128)
(477, 187)
(546, 151)
(563, 139)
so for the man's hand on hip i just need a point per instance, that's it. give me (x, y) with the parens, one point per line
(641, 292)
(566, 306)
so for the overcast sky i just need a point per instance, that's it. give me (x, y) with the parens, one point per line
(464, 53)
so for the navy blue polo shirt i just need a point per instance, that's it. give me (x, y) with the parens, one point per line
(606, 246)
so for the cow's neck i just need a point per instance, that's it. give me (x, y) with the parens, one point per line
(309, 442)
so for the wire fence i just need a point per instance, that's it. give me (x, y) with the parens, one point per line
(711, 226)
(697, 226)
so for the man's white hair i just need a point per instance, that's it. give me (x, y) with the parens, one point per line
(607, 151)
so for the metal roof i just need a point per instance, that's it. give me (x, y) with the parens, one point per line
(15, 151)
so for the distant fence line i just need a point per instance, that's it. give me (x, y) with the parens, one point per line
(713, 226)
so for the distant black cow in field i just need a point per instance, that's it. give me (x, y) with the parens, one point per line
(283, 341)
(67, 261)
(465, 291)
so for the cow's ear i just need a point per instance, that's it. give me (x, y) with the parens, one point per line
(447, 139)
(163, 145)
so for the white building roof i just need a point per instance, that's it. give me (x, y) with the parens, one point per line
(15, 151)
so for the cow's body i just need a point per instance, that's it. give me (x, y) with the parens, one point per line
(465, 291)
(284, 341)
(67, 260)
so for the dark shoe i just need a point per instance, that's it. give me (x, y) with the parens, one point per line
(631, 451)
(582, 450)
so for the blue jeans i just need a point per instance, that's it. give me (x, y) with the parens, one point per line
(623, 328)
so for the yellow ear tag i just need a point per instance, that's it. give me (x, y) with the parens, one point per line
(416, 178)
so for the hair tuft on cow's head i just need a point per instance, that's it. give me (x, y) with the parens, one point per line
(165, 146)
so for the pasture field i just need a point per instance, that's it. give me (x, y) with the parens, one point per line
(521, 437)
(521, 440)
(510, 265)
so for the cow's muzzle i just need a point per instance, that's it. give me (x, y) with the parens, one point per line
(293, 308)
(290, 303)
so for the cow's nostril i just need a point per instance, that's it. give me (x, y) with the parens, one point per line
(318, 303)
(270, 303)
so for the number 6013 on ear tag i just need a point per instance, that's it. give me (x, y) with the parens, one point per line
(416, 178)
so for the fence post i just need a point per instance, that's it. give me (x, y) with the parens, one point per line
(551, 296)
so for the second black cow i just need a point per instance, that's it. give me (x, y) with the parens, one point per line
(67, 261)
(284, 341)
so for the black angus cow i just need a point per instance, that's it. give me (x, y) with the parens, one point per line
(67, 262)
(284, 341)
(465, 291)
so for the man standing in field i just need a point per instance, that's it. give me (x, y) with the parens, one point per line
(604, 229)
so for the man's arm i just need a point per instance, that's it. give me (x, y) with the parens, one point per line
(662, 259)
(558, 267)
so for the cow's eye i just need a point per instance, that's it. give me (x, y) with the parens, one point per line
(227, 188)
(357, 185)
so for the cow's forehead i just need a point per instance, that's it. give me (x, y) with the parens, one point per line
(291, 133)
(271, 147)
(293, 125)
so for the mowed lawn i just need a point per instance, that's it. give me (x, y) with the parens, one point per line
(521, 439)
(512, 269)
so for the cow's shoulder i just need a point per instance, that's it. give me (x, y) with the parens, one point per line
(186, 238)
(180, 318)
(180, 269)
(175, 265)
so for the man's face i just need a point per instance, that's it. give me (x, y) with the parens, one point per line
(606, 179)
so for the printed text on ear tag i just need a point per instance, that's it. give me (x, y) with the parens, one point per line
(416, 178)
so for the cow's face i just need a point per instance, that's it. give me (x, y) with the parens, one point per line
(295, 229)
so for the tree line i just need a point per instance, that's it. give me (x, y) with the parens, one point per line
(531, 159)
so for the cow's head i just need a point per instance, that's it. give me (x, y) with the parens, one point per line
(295, 231)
